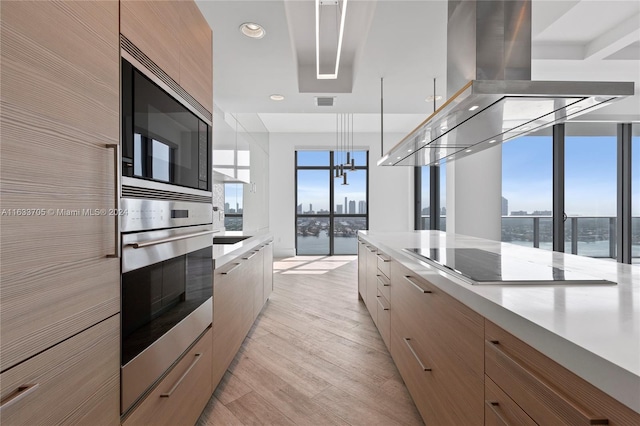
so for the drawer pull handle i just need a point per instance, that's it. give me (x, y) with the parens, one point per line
(380, 303)
(227, 272)
(543, 387)
(420, 289)
(251, 255)
(116, 189)
(493, 406)
(370, 249)
(18, 394)
(382, 282)
(175, 386)
(383, 259)
(415, 355)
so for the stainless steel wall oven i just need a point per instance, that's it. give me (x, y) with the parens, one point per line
(167, 273)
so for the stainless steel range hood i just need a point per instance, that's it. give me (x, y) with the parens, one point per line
(491, 96)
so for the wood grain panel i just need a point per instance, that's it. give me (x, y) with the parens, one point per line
(384, 320)
(189, 388)
(372, 289)
(426, 319)
(154, 27)
(78, 381)
(362, 270)
(546, 391)
(196, 62)
(268, 270)
(230, 315)
(500, 410)
(60, 102)
(256, 281)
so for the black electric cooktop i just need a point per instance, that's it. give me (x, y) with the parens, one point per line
(485, 267)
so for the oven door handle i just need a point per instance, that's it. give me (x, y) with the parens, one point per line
(170, 239)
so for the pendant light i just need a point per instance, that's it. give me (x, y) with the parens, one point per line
(335, 156)
(347, 156)
(353, 160)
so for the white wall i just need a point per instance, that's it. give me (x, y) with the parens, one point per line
(390, 188)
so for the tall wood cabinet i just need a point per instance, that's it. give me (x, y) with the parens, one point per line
(60, 290)
(175, 36)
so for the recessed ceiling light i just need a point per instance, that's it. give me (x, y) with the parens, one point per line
(473, 108)
(492, 141)
(433, 98)
(443, 128)
(276, 97)
(252, 30)
(468, 150)
(390, 163)
(398, 158)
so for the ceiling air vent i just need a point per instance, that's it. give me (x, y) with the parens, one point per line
(324, 100)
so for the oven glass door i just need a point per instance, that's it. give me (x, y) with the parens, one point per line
(157, 297)
(162, 140)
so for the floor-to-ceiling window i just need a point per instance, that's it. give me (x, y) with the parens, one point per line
(233, 206)
(431, 196)
(527, 190)
(635, 193)
(329, 212)
(590, 189)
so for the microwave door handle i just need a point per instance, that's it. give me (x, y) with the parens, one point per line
(116, 191)
(169, 239)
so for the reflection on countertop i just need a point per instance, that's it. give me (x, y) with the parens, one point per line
(224, 253)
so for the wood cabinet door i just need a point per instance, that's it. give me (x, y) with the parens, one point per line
(268, 270)
(60, 101)
(182, 394)
(196, 62)
(74, 382)
(362, 270)
(230, 301)
(255, 263)
(372, 289)
(154, 27)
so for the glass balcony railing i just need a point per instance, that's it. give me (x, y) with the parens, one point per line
(593, 236)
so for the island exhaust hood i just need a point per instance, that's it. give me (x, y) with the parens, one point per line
(491, 98)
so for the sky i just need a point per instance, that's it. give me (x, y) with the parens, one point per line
(313, 185)
(590, 176)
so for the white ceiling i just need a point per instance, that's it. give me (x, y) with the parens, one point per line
(404, 42)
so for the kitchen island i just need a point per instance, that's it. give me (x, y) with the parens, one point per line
(592, 330)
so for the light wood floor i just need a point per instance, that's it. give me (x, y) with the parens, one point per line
(313, 357)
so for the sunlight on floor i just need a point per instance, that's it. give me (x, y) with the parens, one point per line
(311, 265)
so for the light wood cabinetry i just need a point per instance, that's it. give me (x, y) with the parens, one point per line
(255, 274)
(268, 270)
(546, 391)
(240, 289)
(500, 410)
(371, 299)
(175, 36)
(154, 27)
(362, 270)
(232, 314)
(74, 382)
(60, 102)
(196, 66)
(438, 341)
(182, 394)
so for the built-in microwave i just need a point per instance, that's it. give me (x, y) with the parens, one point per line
(163, 140)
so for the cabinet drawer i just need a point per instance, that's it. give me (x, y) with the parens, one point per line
(384, 263)
(180, 397)
(546, 391)
(384, 285)
(500, 410)
(74, 382)
(384, 318)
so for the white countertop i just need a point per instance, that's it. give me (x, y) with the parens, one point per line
(592, 330)
(224, 253)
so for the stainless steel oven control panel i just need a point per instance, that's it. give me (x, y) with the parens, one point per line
(143, 214)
